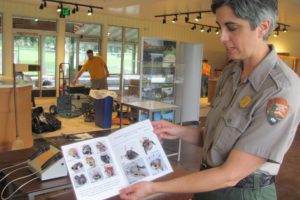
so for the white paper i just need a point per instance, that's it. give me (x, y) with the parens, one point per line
(100, 167)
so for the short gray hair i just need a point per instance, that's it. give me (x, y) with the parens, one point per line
(254, 11)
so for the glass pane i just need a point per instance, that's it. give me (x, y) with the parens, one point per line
(131, 35)
(130, 59)
(48, 66)
(34, 24)
(26, 51)
(115, 33)
(114, 57)
(83, 29)
(70, 55)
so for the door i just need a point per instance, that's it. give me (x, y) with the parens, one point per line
(39, 50)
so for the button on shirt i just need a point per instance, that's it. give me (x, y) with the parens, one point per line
(246, 128)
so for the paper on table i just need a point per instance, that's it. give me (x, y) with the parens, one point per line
(100, 167)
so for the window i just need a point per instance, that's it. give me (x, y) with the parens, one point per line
(1, 56)
(122, 53)
(35, 43)
(80, 38)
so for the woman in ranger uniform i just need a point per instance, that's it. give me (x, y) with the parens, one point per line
(253, 118)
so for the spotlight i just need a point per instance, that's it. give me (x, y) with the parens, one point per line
(209, 30)
(187, 18)
(202, 29)
(164, 20)
(74, 10)
(59, 8)
(284, 29)
(36, 19)
(42, 6)
(45, 3)
(217, 31)
(90, 11)
(198, 17)
(175, 19)
(276, 34)
(194, 27)
(77, 8)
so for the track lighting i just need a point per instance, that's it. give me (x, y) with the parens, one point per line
(186, 14)
(276, 34)
(284, 29)
(90, 11)
(217, 31)
(65, 11)
(209, 30)
(198, 17)
(175, 19)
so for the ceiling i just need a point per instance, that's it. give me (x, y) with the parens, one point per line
(147, 9)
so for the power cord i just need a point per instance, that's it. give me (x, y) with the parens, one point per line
(13, 171)
(23, 185)
(18, 164)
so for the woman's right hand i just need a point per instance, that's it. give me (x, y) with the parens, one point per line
(166, 130)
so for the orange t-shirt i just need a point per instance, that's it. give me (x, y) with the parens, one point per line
(95, 67)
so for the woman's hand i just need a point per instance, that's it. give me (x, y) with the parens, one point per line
(166, 130)
(137, 191)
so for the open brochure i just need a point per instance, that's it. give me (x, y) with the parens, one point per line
(100, 167)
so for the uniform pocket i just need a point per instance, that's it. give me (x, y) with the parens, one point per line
(234, 124)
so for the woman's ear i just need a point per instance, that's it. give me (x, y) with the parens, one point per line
(263, 28)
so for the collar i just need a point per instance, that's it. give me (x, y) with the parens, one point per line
(263, 69)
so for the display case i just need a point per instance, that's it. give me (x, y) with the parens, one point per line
(158, 74)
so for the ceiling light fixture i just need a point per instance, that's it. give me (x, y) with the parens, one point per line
(187, 18)
(164, 20)
(209, 30)
(202, 29)
(217, 31)
(90, 11)
(198, 17)
(194, 27)
(42, 6)
(175, 19)
(59, 8)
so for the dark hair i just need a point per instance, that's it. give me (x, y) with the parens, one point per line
(254, 11)
(89, 51)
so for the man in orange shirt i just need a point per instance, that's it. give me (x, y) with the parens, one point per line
(97, 68)
(204, 79)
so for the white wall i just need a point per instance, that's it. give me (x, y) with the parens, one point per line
(213, 49)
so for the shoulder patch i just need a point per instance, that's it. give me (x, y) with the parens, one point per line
(277, 109)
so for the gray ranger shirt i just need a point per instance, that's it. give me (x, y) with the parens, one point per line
(258, 116)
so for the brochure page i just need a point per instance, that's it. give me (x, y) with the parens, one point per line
(100, 167)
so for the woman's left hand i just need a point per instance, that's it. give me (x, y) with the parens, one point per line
(137, 191)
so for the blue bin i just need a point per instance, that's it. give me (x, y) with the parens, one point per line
(103, 112)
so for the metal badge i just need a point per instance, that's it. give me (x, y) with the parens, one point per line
(246, 100)
(277, 109)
